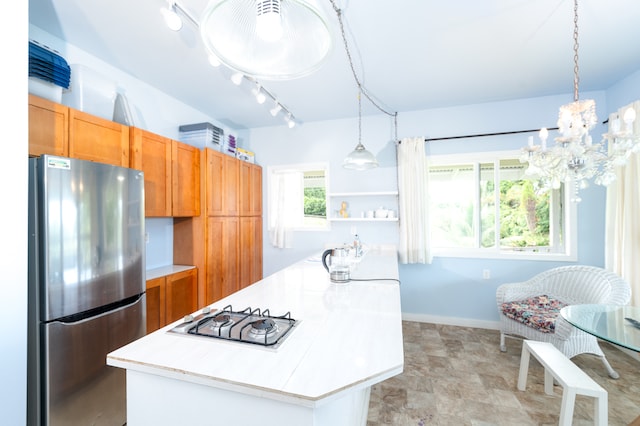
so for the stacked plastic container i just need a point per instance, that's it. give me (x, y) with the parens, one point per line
(49, 72)
(230, 146)
(202, 135)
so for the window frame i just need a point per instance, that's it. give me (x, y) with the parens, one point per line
(476, 159)
(300, 167)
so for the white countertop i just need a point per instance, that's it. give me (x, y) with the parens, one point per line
(349, 336)
(163, 271)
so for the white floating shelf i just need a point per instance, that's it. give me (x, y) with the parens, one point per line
(359, 194)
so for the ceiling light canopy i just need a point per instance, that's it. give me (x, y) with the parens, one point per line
(267, 39)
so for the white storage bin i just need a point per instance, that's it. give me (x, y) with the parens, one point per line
(45, 89)
(90, 92)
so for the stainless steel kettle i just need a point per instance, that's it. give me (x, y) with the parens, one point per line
(338, 264)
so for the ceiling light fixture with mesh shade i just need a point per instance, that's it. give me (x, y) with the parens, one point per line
(267, 39)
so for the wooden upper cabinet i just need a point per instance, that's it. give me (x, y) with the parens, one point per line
(222, 177)
(250, 189)
(214, 197)
(48, 127)
(186, 179)
(96, 139)
(151, 153)
(171, 174)
(231, 185)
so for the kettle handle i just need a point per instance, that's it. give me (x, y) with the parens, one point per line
(324, 259)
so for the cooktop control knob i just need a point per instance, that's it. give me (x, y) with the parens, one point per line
(188, 318)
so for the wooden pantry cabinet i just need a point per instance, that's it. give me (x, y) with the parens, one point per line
(226, 240)
(250, 251)
(171, 297)
(222, 257)
(171, 174)
(56, 129)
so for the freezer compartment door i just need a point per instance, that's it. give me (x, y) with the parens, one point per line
(79, 388)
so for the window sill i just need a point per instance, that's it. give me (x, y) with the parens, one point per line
(520, 255)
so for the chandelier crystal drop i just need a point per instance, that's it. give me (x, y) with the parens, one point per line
(575, 157)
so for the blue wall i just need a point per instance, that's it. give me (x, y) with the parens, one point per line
(450, 290)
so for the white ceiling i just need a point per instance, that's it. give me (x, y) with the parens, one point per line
(410, 54)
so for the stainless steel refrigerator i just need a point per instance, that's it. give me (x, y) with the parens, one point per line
(86, 288)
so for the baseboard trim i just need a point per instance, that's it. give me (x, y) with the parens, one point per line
(460, 322)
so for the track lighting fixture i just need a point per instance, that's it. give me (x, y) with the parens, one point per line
(214, 62)
(290, 121)
(236, 78)
(275, 110)
(171, 17)
(259, 94)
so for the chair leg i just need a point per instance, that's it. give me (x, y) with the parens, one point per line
(612, 373)
(503, 346)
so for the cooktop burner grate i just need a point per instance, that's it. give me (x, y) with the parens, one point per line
(246, 326)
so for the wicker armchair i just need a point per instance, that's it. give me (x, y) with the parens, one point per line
(576, 284)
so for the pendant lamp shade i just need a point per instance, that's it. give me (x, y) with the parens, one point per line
(360, 159)
(267, 39)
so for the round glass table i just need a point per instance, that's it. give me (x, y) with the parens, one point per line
(607, 322)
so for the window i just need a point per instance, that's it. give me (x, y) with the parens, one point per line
(483, 205)
(297, 196)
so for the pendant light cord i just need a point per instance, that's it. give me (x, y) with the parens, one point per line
(361, 87)
(576, 69)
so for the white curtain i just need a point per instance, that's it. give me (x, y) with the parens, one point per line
(413, 183)
(286, 207)
(622, 237)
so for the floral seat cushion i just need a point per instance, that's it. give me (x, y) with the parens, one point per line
(538, 312)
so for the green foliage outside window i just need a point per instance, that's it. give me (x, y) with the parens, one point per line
(315, 202)
(524, 215)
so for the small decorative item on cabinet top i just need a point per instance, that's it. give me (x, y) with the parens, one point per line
(245, 155)
(343, 210)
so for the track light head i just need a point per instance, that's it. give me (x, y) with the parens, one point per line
(171, 17)
(259, 94)
(237, 78)
(290, 121)
(213, 61)
(275, 110)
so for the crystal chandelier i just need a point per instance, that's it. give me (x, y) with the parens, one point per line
(575, 157)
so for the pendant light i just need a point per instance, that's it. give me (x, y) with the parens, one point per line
(360, 158)
(267, 39)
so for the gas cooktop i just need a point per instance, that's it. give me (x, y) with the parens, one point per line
(252, 326)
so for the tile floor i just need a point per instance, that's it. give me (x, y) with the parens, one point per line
(458, 376)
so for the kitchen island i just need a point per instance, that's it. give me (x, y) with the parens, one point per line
(347, 337)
